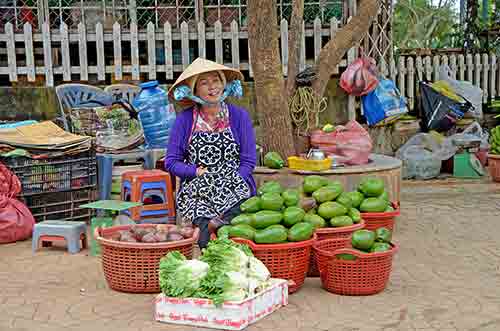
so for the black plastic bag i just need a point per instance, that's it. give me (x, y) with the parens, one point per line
(439, 112)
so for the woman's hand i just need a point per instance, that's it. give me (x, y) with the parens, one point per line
(200, 171)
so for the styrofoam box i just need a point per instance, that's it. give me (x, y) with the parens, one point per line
(233, 315)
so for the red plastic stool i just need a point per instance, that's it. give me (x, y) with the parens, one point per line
(153, 188)
(48, 240)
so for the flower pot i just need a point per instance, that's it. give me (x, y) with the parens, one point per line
(494, 167)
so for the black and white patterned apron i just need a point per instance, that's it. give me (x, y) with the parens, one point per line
(221, 187)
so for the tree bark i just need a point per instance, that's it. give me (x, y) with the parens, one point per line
(272, 106)
(294, 43)
(351, 34)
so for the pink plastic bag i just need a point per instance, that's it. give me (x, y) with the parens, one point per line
(9, 183)
(16, 220)
(351, 142)
(360, 77)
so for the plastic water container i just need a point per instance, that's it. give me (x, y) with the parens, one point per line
(157, 116)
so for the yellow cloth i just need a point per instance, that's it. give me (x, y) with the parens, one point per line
(445, 89)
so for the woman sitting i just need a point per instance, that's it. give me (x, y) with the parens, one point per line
(211, 148)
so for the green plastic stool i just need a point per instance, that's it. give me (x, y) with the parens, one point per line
(110, 209)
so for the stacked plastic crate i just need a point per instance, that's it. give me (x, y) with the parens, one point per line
(54, 188)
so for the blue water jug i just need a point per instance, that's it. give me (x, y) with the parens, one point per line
(156, 115)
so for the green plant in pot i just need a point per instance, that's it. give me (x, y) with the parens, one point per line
(494, 154)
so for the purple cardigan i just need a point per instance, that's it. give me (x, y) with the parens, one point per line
(242, 129)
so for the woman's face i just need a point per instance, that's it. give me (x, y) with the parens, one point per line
(209, 87)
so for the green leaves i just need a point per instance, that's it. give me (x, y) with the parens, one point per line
(224, 272)
(421, 24)
(180, 277)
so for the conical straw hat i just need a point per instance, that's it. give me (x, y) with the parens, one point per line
(199, 66)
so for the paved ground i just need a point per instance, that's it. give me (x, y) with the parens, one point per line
(446, 277)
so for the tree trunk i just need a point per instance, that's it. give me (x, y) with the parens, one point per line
(350, 35)
(272, 106)
(294, 40)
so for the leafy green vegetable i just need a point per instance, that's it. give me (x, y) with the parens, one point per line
(258, 270)
(233, 286)
(225, 271)
(180, 277)
(224, 256)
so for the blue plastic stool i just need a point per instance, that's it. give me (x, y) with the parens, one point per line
(49, 231)
(105, 163)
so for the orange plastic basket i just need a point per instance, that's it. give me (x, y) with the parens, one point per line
(344, 232)
(368, 274)
(134, 267)
(286, 261)
(373, 221)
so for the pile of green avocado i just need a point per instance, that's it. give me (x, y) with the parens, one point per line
(368, 241)
(278, 215)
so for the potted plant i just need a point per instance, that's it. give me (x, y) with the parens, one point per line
(494, 154)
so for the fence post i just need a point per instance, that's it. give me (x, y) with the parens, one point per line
(66, 65)
(11, 52)
(411, 82)
(493, 76)
(151, 36)
(334, 26)
(185, 44)
(486, 68)
(30, 58)
(428, 68)
(82, 49)
(302, 55)
(219, 55)
(435, 64)
(461, 67)
(47, 54)
(201, 40)
(117, 51)
(317, 38)
(235, 45)
(401, 76)
(469, 66)
(134, 49)
(169, 66)
(420, 69)
(99, 43)
(477, 70)
(453, 66)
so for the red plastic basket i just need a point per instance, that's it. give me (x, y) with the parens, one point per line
(332, 233)
(134, 267)
(373, 221)
(368, 274)
(286, 261)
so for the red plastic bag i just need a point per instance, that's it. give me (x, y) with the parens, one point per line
(9, 183)
(16, 220)
(352, 143)
(360, 77)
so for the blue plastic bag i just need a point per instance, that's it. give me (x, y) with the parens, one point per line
(383, 104)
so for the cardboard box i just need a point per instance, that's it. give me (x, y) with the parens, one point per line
(233, 315)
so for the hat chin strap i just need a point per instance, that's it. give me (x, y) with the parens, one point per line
(233, 89)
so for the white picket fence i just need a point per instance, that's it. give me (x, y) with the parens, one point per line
(483, 70)
(47, 53)
(60, 41)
